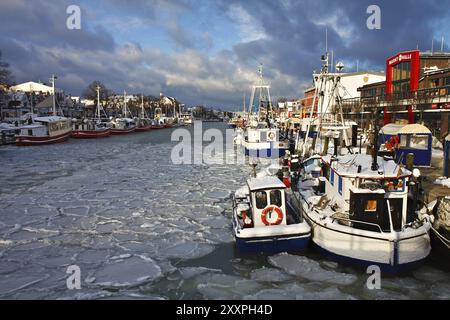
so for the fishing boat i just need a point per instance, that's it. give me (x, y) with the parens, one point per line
(91, 128)
(262, 221)
(187, 119)
(143, 123)
(45, 130)
(360, 213)
(261, 138)
(123, 125)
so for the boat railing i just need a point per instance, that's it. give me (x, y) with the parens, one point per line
(360, 222)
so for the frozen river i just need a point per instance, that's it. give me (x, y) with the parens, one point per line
(139, 226)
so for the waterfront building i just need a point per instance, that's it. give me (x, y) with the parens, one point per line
(416, 89)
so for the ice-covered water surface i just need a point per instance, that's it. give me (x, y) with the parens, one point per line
(140, 227)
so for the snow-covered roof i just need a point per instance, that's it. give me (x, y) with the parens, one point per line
(32, 86)
(347, 166)
(49, 119)
(414, 129)
(266, 182)
(391, 129)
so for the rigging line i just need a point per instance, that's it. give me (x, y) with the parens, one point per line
(441, 237)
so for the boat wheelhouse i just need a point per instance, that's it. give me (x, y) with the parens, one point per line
(364, 216)
(263, 222)
(44, 130)
(264, 143)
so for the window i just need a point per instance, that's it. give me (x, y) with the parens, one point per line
(371, 206)
(419, 142)
(261, 199)
(340, 185)
(275, 198)
(332, 177)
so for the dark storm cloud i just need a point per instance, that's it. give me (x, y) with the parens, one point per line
(287, 36)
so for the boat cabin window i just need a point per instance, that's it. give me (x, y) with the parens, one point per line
(371, 206)
(417, 142)
(261, 200)
(275, 198)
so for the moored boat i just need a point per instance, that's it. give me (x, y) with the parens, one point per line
(360, 214)
(263, 222)
(44, 130)
(91, 128)
(123, 125)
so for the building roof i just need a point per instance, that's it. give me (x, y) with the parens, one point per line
(374, 84)
(374, 73)
(391, 129)
(32, 86)
(49, 119)
(414, 129)
(263, 183)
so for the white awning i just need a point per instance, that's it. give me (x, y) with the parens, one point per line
(265, 183)
(414, 129)
(391, 129)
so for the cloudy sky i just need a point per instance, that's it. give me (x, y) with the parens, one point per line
(207, 51)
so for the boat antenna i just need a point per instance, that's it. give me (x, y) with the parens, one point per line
(375, 166)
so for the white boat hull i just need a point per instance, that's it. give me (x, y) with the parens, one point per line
(392, 252)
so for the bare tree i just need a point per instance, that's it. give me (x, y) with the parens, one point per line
(5, 73)
(91, 91)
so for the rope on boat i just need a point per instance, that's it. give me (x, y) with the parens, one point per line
(444, 240)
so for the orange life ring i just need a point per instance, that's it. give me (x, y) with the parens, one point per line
(271, 209)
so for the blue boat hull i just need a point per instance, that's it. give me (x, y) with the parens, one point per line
(265, 153)
(363, 264)
(272, 245)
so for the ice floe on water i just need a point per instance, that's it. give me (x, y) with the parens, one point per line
(140, 227)
(310, 270)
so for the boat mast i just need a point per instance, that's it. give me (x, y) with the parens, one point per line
(124, 110)
(98, 102)
(142, 107)
(54, 93)
(31, 98)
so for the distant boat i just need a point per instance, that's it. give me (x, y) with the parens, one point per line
(45, 130)
(143, 123)
(123, 125)
(91, 128)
